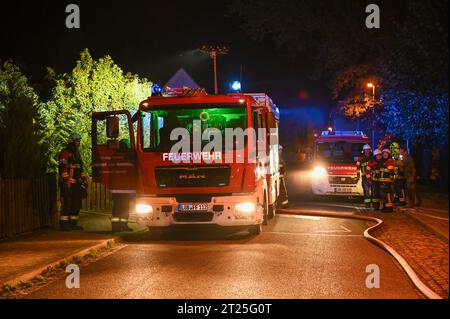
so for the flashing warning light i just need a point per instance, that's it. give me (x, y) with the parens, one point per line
(156, 89)
(370, 85)
(236, 86)
(330, 129)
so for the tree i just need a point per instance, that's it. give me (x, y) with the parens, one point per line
(20, 138)
(408, 55)
(93, 85)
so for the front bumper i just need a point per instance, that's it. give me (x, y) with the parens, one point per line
(229, 216)
(322, 186)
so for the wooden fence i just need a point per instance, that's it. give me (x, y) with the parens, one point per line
(98, 198)
(27, 204)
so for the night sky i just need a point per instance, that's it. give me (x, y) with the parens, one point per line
(154, 39)
(150, 38)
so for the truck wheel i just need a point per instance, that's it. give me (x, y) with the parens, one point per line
(255, 229)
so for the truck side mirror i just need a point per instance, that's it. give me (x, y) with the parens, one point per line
(271, 120)
(112, 127)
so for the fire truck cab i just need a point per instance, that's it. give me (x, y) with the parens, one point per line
(334, 163)
(204, 182)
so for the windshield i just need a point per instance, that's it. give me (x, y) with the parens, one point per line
(157, 124)
(339, 152)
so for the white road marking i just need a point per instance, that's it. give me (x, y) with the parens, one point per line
(313, 234)
(342, 230)
(302, 217)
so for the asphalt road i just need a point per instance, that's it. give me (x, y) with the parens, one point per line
(294, 257)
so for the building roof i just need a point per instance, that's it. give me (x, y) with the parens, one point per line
(181, 79)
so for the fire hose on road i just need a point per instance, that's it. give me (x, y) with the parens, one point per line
(420, 285)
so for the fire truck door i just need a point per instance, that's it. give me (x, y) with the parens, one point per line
(113, 151)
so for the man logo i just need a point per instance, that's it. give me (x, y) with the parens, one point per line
(373, 19)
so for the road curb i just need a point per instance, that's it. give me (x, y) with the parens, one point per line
(420, 285)
(424, 225)
(81, 253)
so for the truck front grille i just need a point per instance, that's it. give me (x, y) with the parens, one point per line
(346, 180)
(193, 217)
(193, 176)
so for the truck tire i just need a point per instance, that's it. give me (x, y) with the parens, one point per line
(255, 230)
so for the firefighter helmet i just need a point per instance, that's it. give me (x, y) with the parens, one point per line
(367, 147)
(386, 150)
(74, 137)
(395, 145)
(376, 152)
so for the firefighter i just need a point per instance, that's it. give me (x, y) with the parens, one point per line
(399, 177)
(410, 177)
(386, 179)
(361, 164)
(73, 182)
(373, 176)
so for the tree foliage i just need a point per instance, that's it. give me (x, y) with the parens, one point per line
(93, 85)
(20, 138)
(32, 132)
(408, 56)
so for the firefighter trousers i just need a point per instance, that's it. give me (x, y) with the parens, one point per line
(399, 187)
(375, 195)
(120, 211)
(386, 193)
(367, 192)
(71, 197)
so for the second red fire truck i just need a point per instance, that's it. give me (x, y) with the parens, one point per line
(335, 156)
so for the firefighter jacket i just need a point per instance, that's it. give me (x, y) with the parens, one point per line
(361, 164)
(70, 166)
(373, 172)
(387, 171)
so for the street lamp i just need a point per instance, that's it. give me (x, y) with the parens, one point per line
(370, 85)
(213, 51)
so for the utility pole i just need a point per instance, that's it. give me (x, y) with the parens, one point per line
(371, 85)
(213, 51)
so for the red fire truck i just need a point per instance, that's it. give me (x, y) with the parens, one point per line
(133, 154)
(335, 156)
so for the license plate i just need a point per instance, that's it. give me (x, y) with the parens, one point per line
(192, 207)
(342, 190)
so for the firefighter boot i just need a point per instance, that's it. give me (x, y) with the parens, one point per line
(376, 203)
(116, 225)
(388, 205)
(64, 223)
(74, 223)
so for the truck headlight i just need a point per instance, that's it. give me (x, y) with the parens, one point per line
(144, 209)
(319, 171)
(246, 207)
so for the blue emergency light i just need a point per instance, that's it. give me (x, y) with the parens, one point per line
(156, 89)
(236, 86)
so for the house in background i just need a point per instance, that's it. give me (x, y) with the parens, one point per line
(181, 79)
